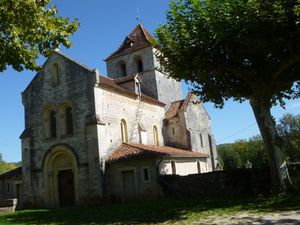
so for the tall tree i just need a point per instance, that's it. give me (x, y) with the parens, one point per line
(245, 50)
(30, 28)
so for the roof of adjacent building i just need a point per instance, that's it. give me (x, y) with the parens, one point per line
(178, 105)
(139, 38)
(136, 151)
(11, 173)
(113, 84)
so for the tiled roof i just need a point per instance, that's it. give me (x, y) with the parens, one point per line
(139, 38)
(111, 83)
(173, 109)
(178, 105)
(136, 151)
(125, 79)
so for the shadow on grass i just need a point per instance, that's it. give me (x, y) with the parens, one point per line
(161, 211)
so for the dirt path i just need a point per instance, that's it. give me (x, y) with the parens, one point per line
(278, 218)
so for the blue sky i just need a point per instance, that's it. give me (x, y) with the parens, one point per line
(104, 25)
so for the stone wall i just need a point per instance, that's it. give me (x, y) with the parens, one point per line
(75, 85)
(143, 190)
(113, 67)
(153, 82)
(112, 107)
(219, 184)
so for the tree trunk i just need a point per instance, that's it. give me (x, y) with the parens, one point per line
(280, 180)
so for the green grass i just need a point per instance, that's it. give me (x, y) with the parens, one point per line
(166, 211)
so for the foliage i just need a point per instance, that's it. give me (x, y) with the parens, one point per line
(4, 166)
(239, 153)
(163, 211)
(30, 28)
(240, 50)
(230, 159)
(238, 47)
(289, 129)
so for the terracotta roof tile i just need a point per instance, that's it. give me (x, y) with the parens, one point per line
(139, 38)
(135, 151)
(125, 79)
(173, 109)
(176, 106)
(111, 83)
(186, 101)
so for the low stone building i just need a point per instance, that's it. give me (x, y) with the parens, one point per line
(88, 137)
(11, 190)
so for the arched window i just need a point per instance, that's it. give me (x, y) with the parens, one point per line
(155, 136)
(201, 140)
(66, 119)
(52, 124)
(49, 123)
(124, 132)
(139, 63)
(69, 121)
(55, 74)
(123, 70)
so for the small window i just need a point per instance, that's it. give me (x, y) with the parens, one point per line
(123, 70)
(52, 115)
(173, 167)
(124, 132)
(145, 175)
(173, 130)
(55, 74)
(198, 167)
(69, 121)
(155, 136)
(8, 187)
(201, 140)
(49, 123)
(139, 63)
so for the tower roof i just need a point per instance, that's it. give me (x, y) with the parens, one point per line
(137, 39)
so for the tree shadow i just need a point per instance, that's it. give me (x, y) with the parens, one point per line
(160, 211)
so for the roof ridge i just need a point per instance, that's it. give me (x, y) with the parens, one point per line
(186, 100)
(138, 31)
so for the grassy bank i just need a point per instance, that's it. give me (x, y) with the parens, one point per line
(163, 211)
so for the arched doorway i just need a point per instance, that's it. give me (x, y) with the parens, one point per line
(61, 178)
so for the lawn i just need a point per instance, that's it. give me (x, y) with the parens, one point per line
(167, 211)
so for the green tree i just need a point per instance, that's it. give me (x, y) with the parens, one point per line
(230, 159)
(289, 128)
(30, 28)
(4, 166)
(243, 151)
(245, 50)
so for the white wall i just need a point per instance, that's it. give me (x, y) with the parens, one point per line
(183, 166)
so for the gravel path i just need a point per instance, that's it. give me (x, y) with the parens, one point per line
(278, 218)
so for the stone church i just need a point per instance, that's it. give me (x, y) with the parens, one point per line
(90, 137)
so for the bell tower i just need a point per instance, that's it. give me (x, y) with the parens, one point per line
(136, 56)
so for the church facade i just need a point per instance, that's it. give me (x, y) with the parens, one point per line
(90, 137)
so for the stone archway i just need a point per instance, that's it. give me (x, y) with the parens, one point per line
(61, 178)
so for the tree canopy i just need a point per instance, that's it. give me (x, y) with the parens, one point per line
(289, 128)
(240, 50)
(4, 166)
(30, 28)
